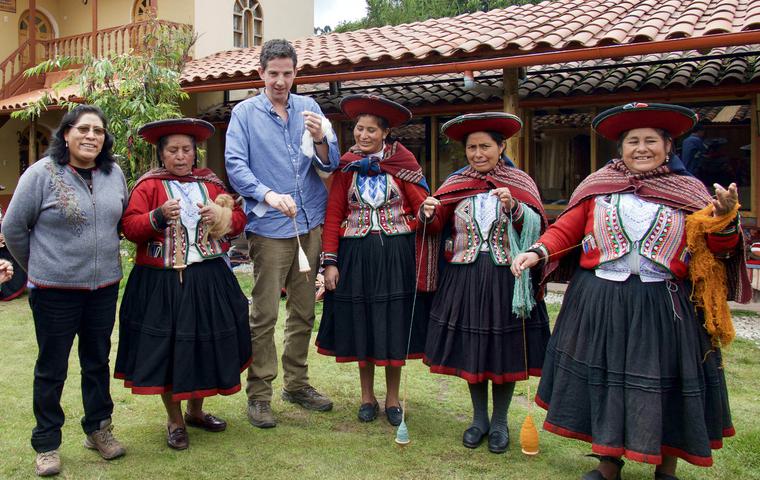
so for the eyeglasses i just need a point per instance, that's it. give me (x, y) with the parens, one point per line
(85, 129)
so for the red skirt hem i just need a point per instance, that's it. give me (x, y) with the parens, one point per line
(363, 362)
(634, 455)
(161, 389)
(478, 377)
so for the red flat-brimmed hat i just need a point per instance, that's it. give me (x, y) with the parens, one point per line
(393, 113)
(674, 119)
(152, 132)
(500, 122)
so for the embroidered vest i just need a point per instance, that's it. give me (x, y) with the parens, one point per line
(464, 244)
(390, 214)
(662, 243)
(173, 242)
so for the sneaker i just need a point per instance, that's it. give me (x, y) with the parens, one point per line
(47, 463)
(104, 442)
(309, 398)
(260, 414)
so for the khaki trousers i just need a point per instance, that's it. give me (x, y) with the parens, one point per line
(275, 265)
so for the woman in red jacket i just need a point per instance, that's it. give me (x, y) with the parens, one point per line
(368, 254)
(484, 325)
(183, 329)
(630, 366)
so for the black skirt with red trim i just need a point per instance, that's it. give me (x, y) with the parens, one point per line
(630, 369)
(473, 333)
(14, 287)
(191, 339)
(367, 318)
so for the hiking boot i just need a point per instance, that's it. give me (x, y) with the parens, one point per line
(260, 414)
(104, 442)
(308, 398)
(47, 463)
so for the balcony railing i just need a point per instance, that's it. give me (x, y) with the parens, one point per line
(13, 66)
(102, 43)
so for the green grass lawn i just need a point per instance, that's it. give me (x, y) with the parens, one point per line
(328, 445)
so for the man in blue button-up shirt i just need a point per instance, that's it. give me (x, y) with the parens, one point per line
(284, 198)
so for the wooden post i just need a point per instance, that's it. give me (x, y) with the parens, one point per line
(755, 156)
(32, 35)
(94, 43)
(594, 140)
(511, 82)
(433, 153)
(526, 139)
(32, 141)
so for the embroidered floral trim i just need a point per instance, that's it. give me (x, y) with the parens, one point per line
(68, 203)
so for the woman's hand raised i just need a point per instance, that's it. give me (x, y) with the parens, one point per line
(725, 199)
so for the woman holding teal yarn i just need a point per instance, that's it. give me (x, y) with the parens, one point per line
(484, 324)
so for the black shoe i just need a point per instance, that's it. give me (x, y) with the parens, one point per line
(597, 475)
(177, 438)
(498, 441)
(208, 422)
(473, 437)
(664, 476)
(368, 411)
(394, 414)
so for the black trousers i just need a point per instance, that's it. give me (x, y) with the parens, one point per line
(59, 315)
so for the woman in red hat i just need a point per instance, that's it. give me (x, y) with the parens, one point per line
(183, 329)
(631, 366)
(368, 244)
(484, 325)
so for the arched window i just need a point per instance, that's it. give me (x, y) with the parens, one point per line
(247, 24)
(141, 10)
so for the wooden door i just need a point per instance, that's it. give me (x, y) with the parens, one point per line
(43, 30)
(42, 142)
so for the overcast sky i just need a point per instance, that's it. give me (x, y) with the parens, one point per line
(332, 12)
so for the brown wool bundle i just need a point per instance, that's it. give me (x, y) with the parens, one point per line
(222, 206)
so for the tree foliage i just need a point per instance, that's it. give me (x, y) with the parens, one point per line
(395, 12)
(132, 89)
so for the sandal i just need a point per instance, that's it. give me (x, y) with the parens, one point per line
(597, 475)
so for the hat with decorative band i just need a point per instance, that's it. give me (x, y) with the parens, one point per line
(200, 130)
(393, 113)
(674, 119)
(504, 123)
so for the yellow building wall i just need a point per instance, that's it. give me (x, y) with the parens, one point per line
(8, 33)
(73, 17)
(281, 22)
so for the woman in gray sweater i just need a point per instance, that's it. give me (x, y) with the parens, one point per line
(62, 228)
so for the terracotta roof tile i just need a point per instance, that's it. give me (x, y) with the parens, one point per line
(419, 91)
(23, 100)
(556, 25)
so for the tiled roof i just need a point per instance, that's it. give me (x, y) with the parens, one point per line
(596, 77)
(592, 78)
(23, 100)
(547, 26)
(583, 119)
